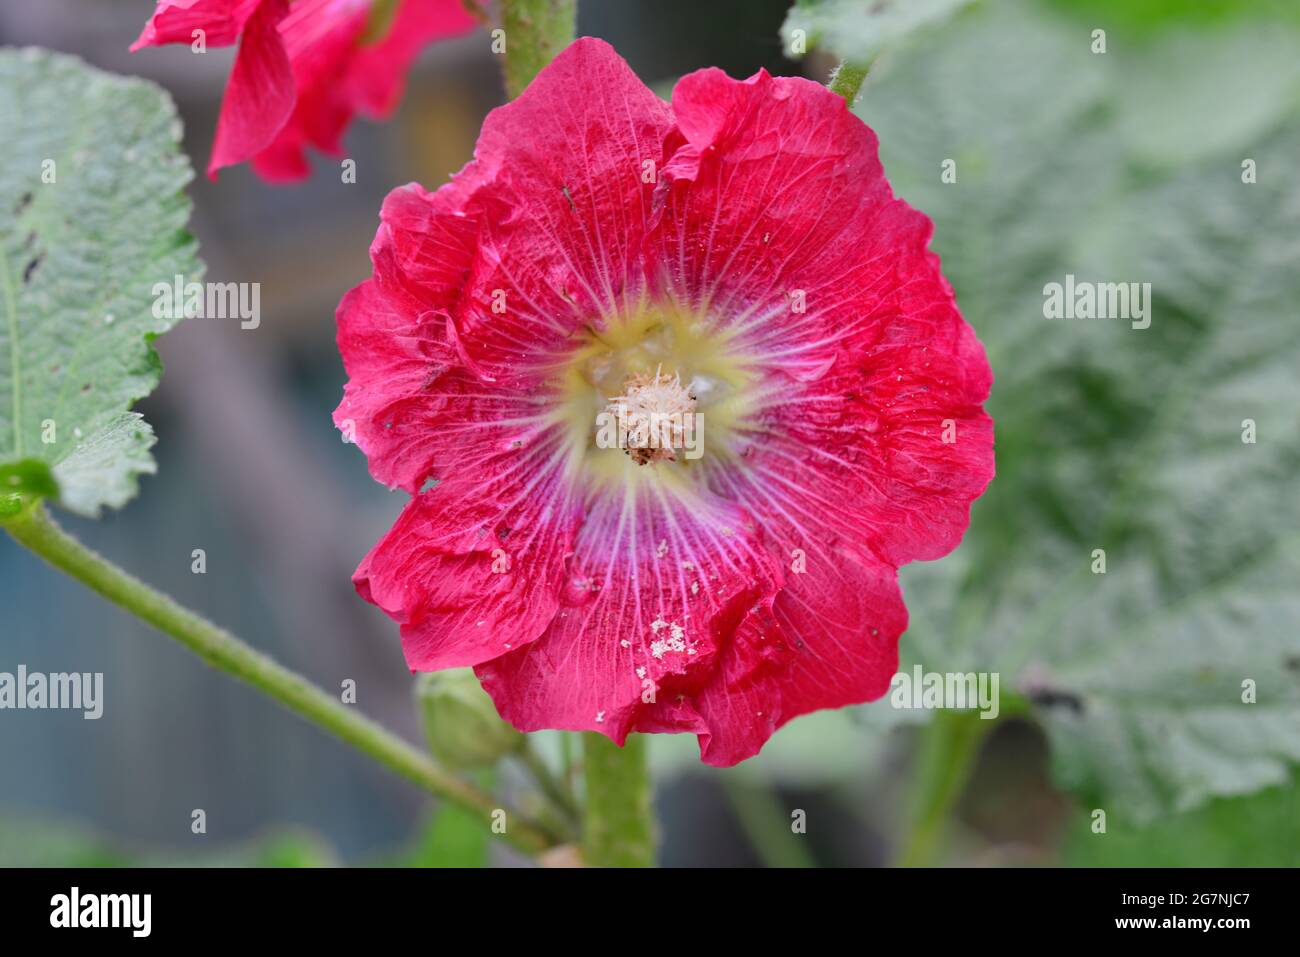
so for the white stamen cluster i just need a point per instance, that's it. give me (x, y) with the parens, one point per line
(651, 414)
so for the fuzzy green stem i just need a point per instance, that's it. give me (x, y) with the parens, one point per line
(949, 744)
(551, 785)
(846, 80)
(618, 828)
(535, 31)
(34, 529)
(766, 822)
(568, 765)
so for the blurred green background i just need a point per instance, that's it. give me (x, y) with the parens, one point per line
(1122, 692)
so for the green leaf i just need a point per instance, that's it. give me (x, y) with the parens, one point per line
(1137, 18)
(1111, 437)
(92, 216)
(1262, 830)
(29, 477)
(1246, 75)
(858, 30)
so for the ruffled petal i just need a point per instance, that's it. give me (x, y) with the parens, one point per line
(777, 214)
(406, 403)
(564, 210)
(654, 596)
(829, 639)
(472, 570)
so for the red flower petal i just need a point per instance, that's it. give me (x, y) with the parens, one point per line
(175, 21)
(830, 640)
(776, 196)
(564, 209)
(393, 339)
(259, 95)
(653, 599)
(472, 571)
(321, 38)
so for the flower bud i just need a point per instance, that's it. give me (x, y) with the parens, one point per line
(461, 723)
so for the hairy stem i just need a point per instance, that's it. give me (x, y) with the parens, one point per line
(535, 31)
(766, 822)
(949, 745)
(553, 787)
(846, 80)
(618, 828)
(34, 529)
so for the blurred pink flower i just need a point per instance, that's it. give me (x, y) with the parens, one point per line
(303, 70)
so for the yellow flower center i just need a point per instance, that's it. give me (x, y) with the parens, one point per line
(658, 386)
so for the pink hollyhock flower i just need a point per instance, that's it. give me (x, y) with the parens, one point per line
(304, 68)
(737, 255)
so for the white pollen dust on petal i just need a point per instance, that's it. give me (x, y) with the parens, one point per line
(676, 640)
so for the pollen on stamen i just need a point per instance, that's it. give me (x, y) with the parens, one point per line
(651, 415)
